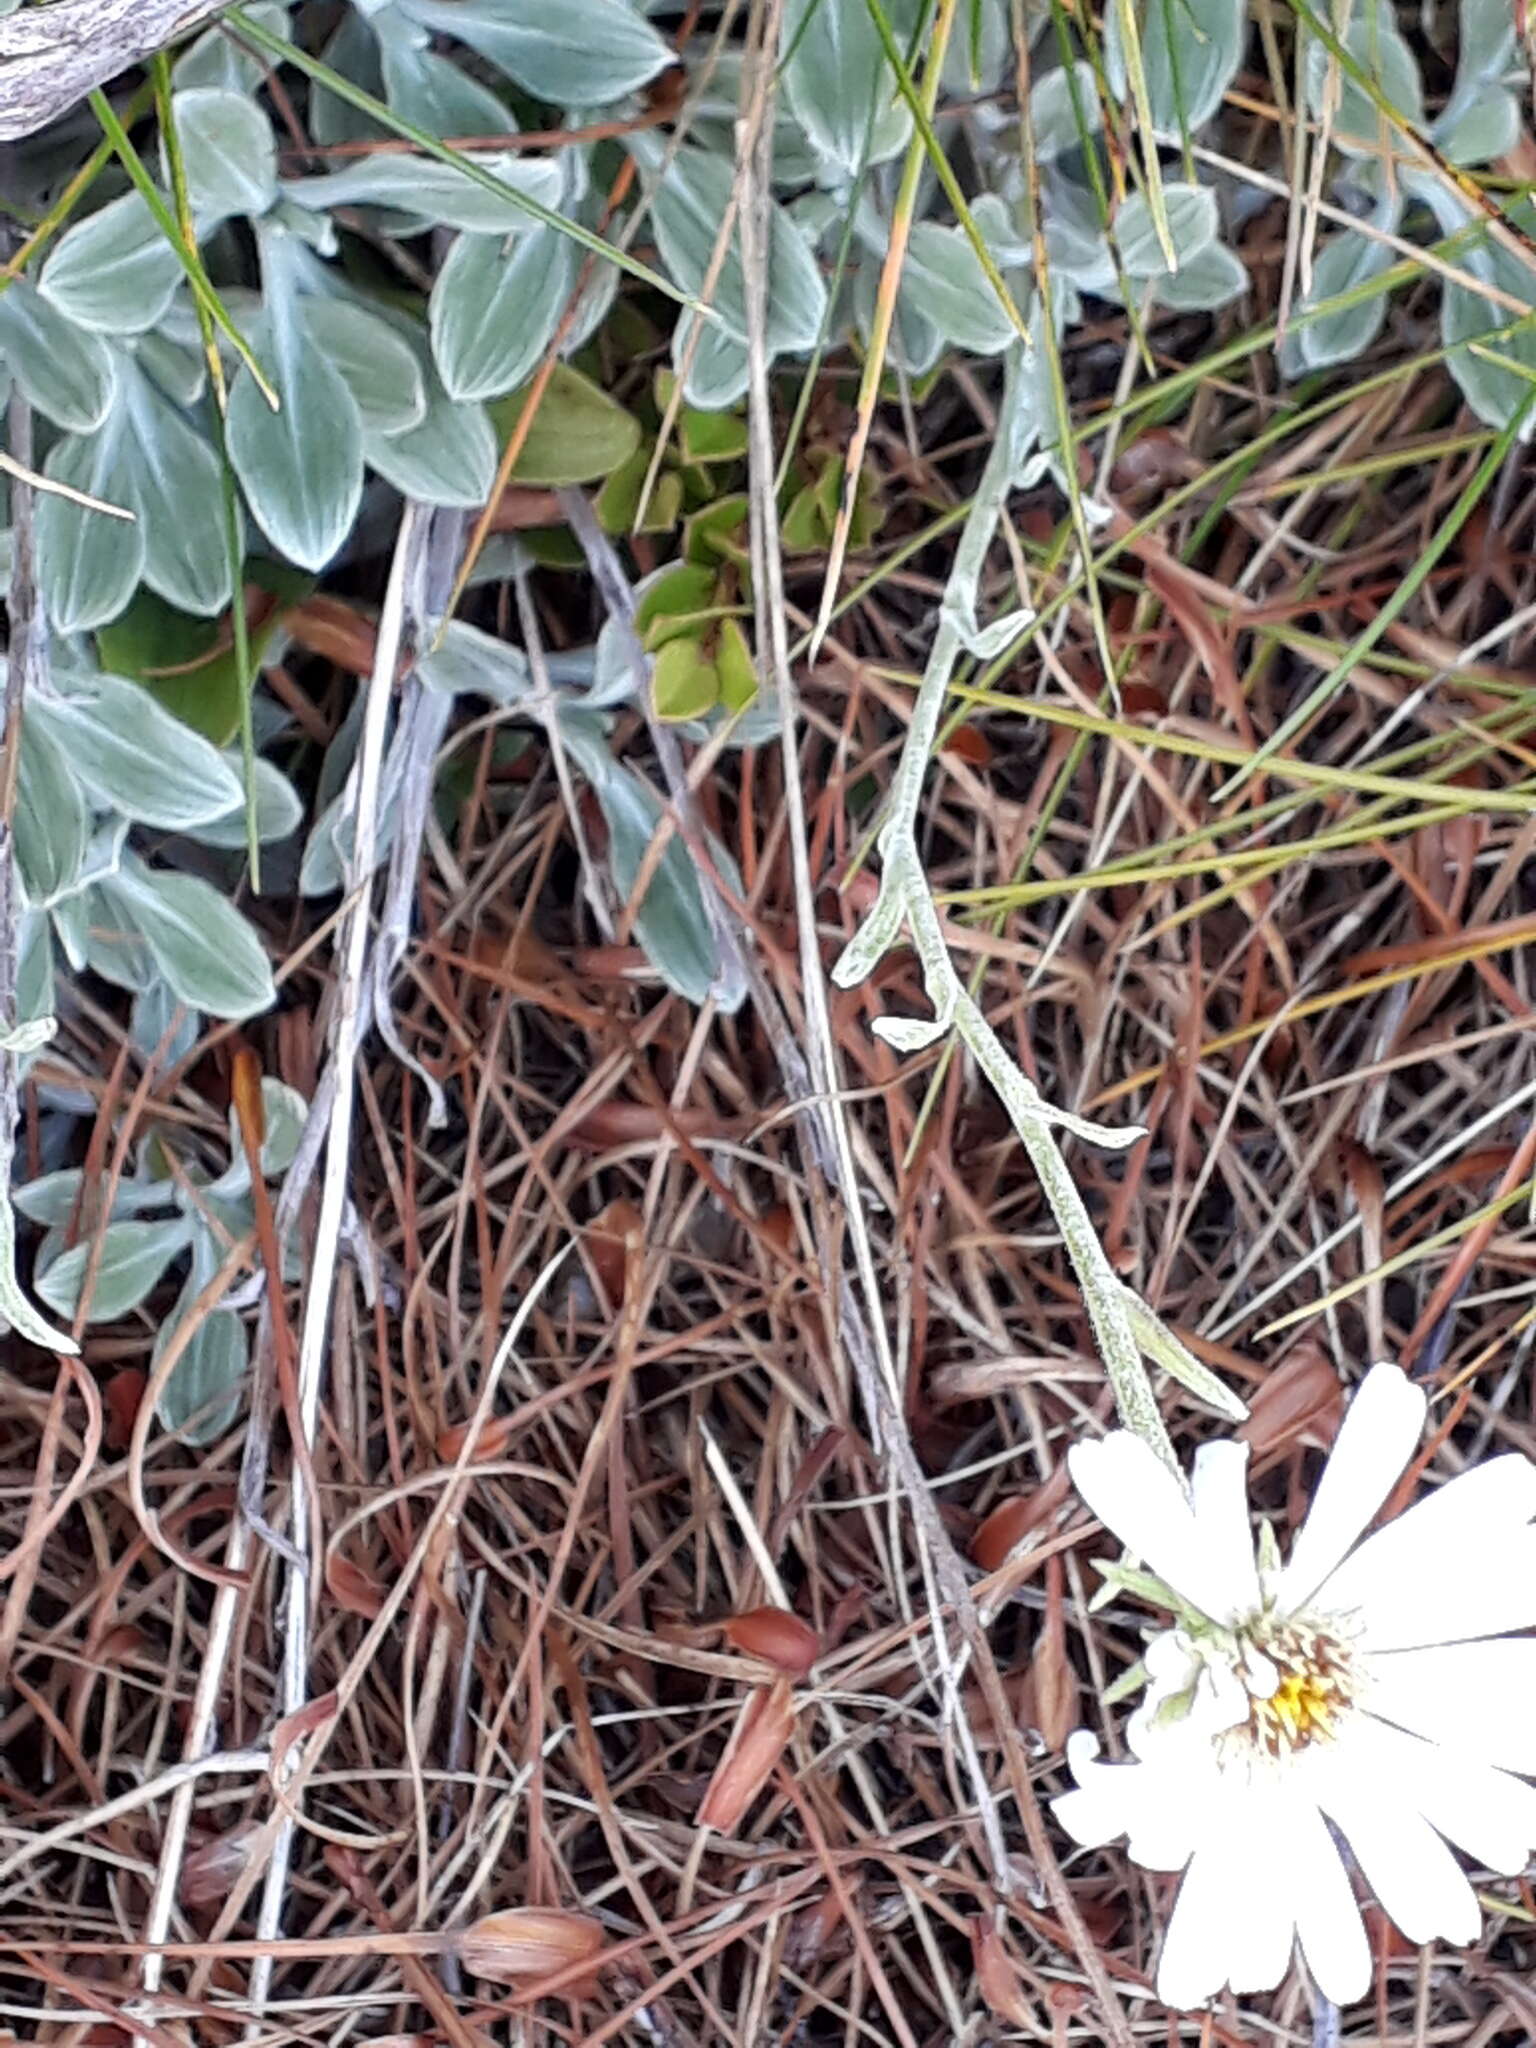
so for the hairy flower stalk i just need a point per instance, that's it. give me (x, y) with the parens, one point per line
(1124, 1328)
(1370, 1688)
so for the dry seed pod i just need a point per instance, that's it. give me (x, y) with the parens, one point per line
(776, 1636)
(758, 1740)
(525, 1944)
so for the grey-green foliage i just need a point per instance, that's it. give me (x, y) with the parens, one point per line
(389, 298)
(156, 1217)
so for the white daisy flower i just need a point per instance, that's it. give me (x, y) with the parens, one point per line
(1368, 1685)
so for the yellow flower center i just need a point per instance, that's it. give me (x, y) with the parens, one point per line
(1317, 1686)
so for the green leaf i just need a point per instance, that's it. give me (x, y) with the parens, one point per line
(684, 681)
(177, 489)
(204, 948)
(1377, 45)
(736, 667)
(302, 468)
(200, 1400)
(691, 195)
(88, 563)
(188, 665)
(53, 1198)
(1483, 127)
(430, 90)
(568, 53)
(228, 151)
(1212, 277)
(136, 759)
(494, 309)
(279, 812)
(114, 272)
(717, 364)
(1064, 108)
(670, 923)
(1190, 50)
(467, 662)
(133, 1257)
(1494, 392)
(944, 277)
(1345, 261)
(669, 599)
(578, 434)
(218, 59)
(379, 368)
(52, 822)
(448, 459)
(1192, 225)
(59, 367)
(839, 86)
(432, 194)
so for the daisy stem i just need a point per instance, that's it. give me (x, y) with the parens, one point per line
(904, 906)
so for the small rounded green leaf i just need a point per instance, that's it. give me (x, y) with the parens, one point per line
(204, 948)
(1346, 261)
(945, 277)
(133, 1256)
(494, 309)
(1192, 224)
(62, 369)
(839, 84)
(684, 681)
(115, 272)
(53, 821)
(1190, 51)
(449, 458)
(376, 364)
(200, 1399)
(1212, 277)
(567, 53)
(1379, 50)
(88, 563)
(178, 490)
(578, 434)
(301, 468)
(228, 151)
(136, 759)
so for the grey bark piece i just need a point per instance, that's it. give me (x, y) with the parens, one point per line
(51, 57)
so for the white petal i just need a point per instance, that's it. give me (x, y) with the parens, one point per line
(1133, 1493)
(1476, 1696)
(1327, 1919)
(1219, 1484)
(1457, 1564)
(1484, 1811)
(1149, 1805)
(1374, 1443)
(1415, 1877)
(1204, 1932)
(1275, 1872)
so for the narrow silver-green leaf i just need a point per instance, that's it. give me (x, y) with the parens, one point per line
(201, 944)
(569, 53)
(88, 564)
(229, 152)
(114, 272)
(379, 368)
(134, 757)
(178, 492)
(52, 822)
(494, 309)
(133, 1256)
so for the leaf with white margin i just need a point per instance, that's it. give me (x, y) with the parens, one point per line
(467, 662)
(1211, 278)
(379, 368)
(564, 52)
(133, 1256)
(177, 489)
(228, 150)
(1345, 261)
(691, 195)
(88, 563)
(114, 272)
(430, 91)
(434, 194)
(205, 949)
(448, 458)
(839, 85)
(279, 812)
(52, 823)
(1190, 53)
(134, 757)
(301, 468)
(494, 309)
(945, 277)
(218, 59)
(1380, 51)
(1192, 226)
(58, 366)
